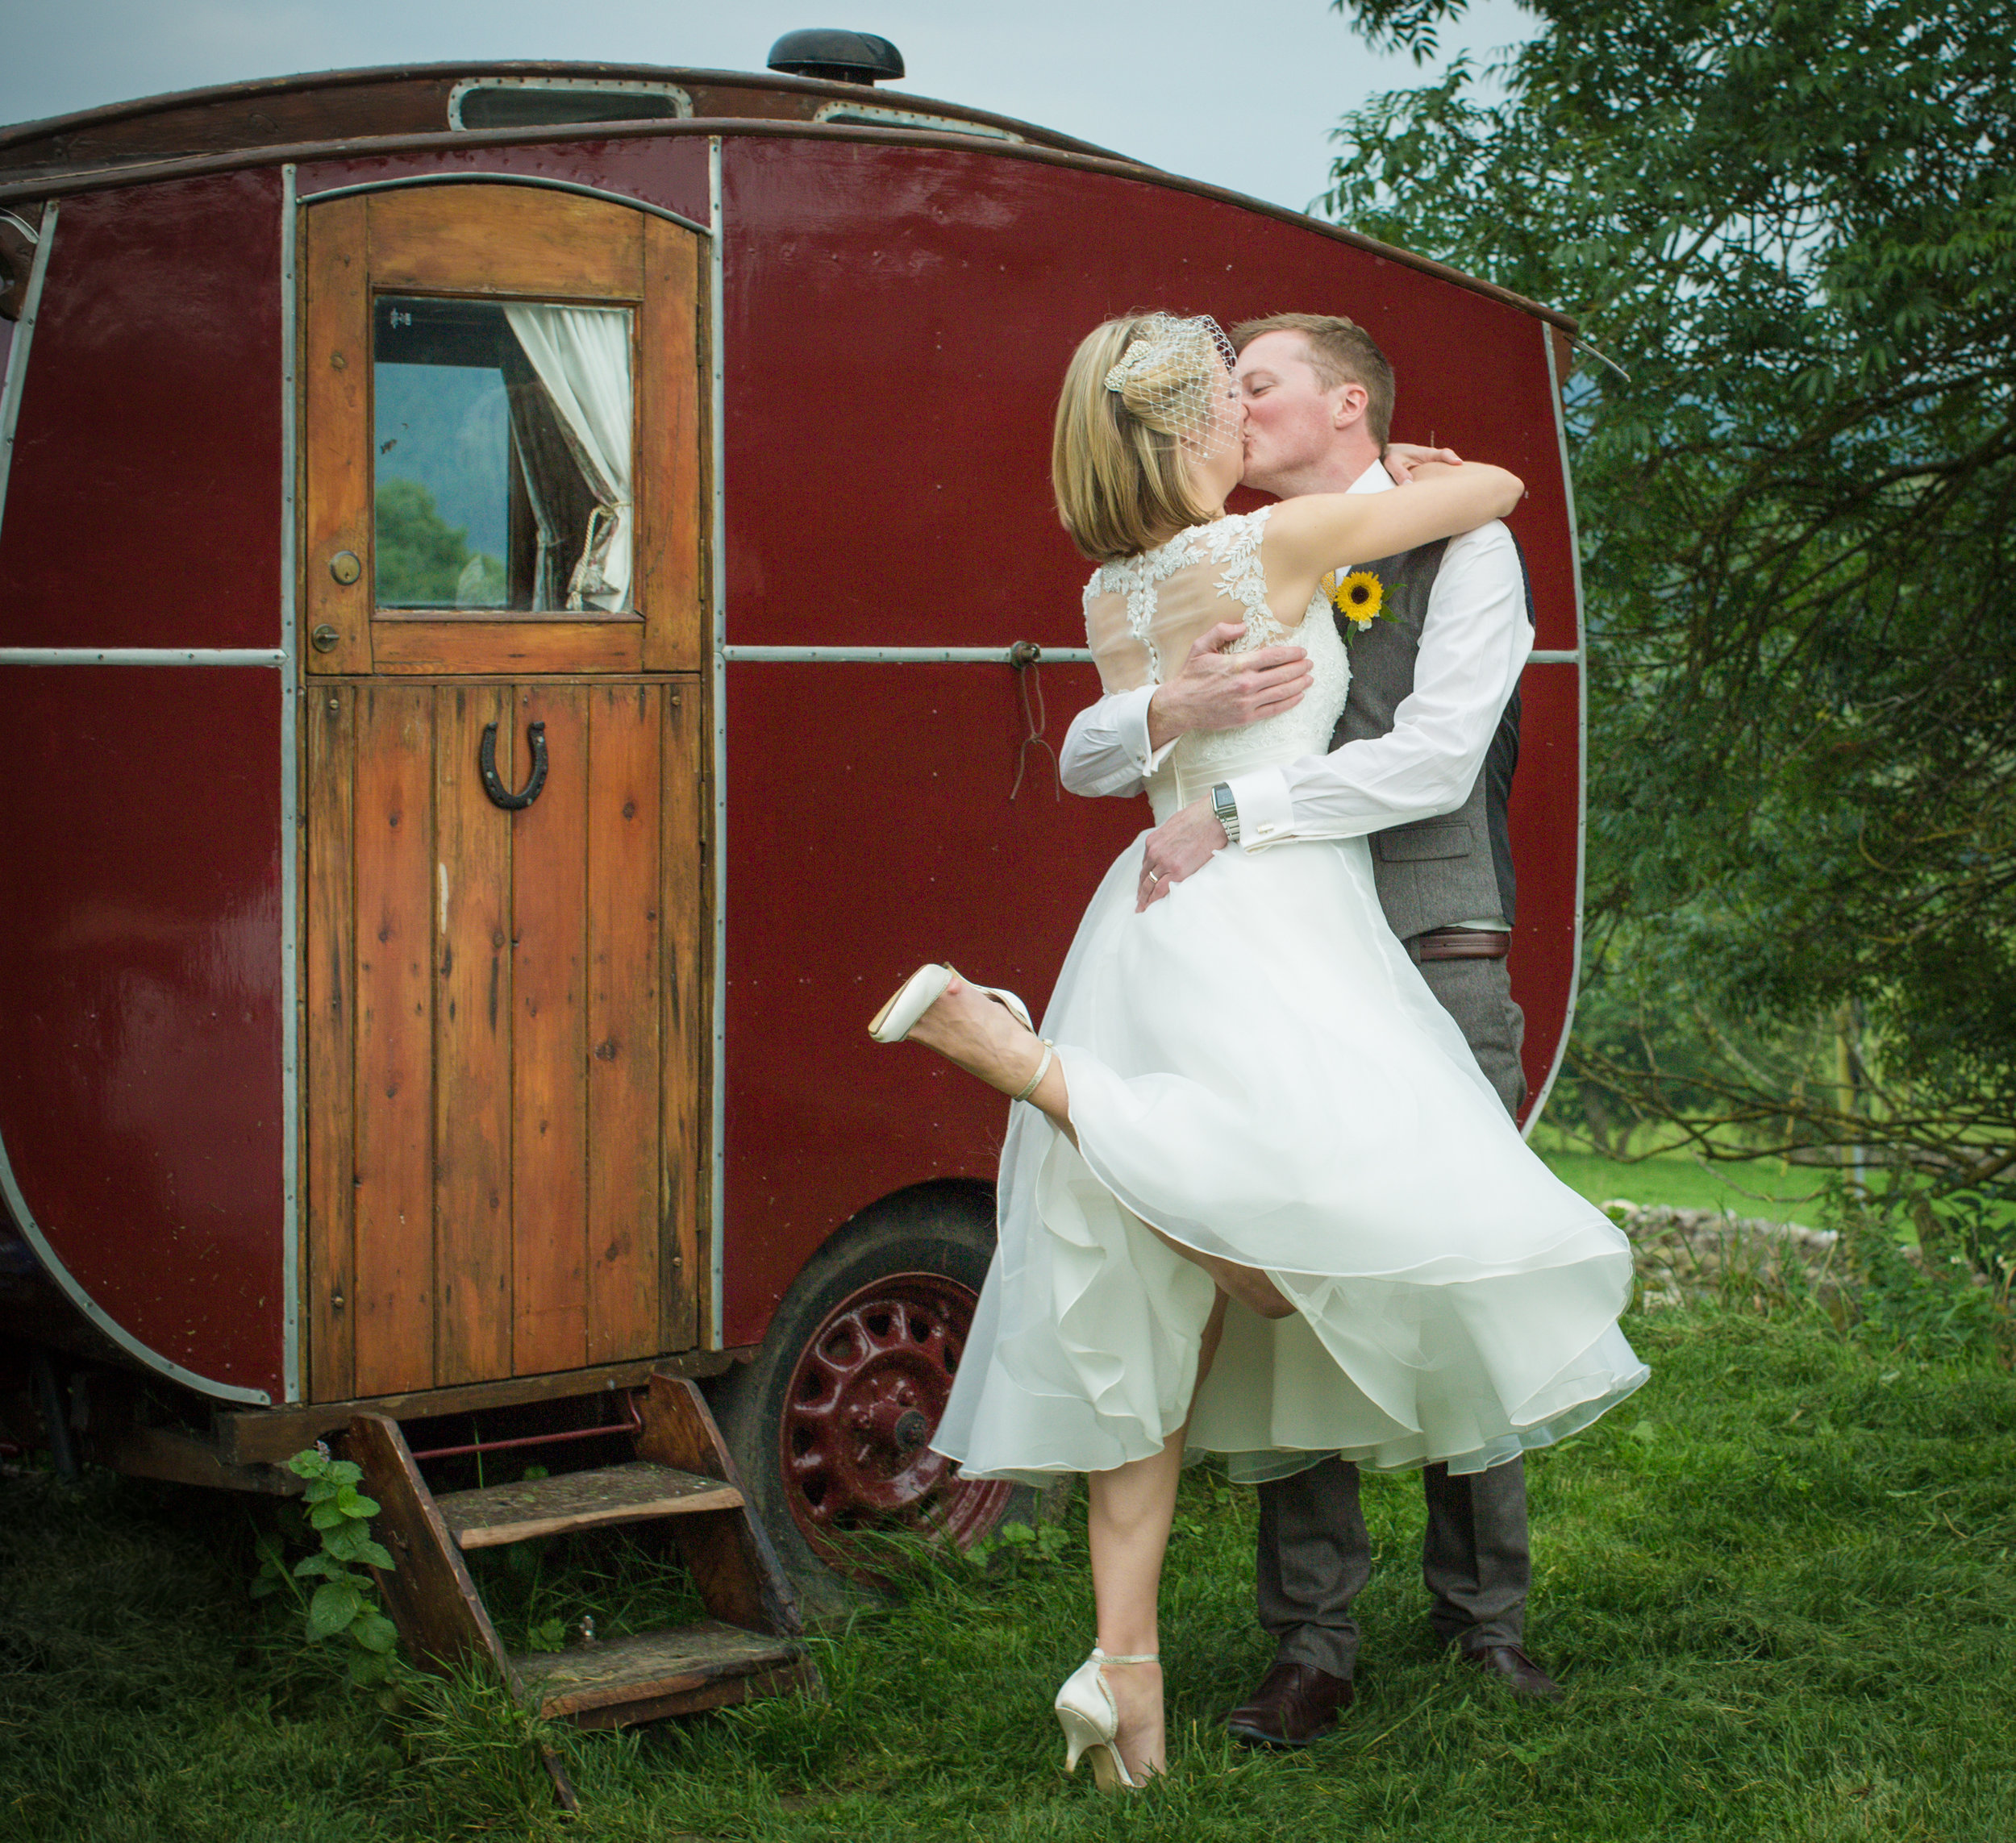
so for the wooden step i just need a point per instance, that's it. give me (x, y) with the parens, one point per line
(657, 1674)
(579, 1500)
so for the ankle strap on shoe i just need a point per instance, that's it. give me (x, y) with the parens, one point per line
(1035, 1081)
(1099, 1657)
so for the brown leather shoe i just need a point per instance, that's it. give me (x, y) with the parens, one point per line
(1515, 1670)
(1294, 1704)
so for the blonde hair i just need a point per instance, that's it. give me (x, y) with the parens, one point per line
(1117, 460)
(1340, 351)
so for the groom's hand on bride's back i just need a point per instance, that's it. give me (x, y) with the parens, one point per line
(1219, 690)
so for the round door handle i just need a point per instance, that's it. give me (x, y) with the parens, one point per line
(325, 638)
(345, 568)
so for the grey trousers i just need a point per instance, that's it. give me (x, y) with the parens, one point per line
(1314, 1555)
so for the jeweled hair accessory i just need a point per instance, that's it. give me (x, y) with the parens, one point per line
(1176, 375)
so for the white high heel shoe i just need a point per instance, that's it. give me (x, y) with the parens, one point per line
(1091, 1721)
(923, 989)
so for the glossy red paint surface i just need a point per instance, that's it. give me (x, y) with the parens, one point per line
(672, 173)
(142, 507)
(820, 1121)
(140, 997)
(1545, 816)
(897, 322)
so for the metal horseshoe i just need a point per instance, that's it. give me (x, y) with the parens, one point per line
(500, 794)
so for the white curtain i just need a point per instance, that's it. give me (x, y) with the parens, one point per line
(582, 356)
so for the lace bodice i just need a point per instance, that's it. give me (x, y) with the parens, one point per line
(1143, 613)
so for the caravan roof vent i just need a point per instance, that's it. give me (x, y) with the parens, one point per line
(837, 57)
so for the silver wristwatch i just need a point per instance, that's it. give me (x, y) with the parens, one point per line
(1225, 809)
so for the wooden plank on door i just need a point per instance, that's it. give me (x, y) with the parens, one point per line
(683, 1154)
(336, 361)
(505, 239)
(623, 903)
(671, 495)
(473, 1044)
(395, 1185)
(549, 1173)
(522, 644)
(329, 727)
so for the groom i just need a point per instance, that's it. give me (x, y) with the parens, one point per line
(1422, 760)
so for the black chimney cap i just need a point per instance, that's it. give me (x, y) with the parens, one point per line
(838, 57)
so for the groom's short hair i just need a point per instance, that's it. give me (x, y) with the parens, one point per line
(1340, 351)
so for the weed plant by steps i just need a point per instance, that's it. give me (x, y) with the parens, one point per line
(1779, 1584)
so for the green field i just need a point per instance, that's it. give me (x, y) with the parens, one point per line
(1776, 1583)
(1751, 1186)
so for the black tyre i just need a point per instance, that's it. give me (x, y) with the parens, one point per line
(831, 1421)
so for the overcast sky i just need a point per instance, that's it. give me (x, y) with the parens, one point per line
(1241, 96)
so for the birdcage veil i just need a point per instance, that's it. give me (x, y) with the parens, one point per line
(1176, 376)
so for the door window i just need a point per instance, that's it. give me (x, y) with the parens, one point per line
(502, 455)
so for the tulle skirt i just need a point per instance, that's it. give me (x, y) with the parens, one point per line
(1257, 1069)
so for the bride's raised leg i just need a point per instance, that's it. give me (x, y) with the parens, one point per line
(983, 1036)
(986, 1039)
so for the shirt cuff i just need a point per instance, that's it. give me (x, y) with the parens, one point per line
(1266, 814)
(1130, 724)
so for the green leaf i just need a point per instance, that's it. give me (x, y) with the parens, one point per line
(353, 1504)
(548, 1635)
(348, 1543)
(375, 1632)
(335, 1604)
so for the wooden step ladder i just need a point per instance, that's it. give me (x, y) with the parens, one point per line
(683, 1477)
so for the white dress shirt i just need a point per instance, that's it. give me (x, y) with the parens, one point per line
(1474, 643)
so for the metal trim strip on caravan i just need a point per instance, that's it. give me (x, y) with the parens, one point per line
(18, 350)
(143, 656)
(902, 655)
(291, 836)
(1579, 656)
(717, 843)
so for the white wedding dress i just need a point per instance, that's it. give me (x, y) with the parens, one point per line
(1256, 1068)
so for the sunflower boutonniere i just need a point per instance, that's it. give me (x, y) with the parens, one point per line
(1357, 597)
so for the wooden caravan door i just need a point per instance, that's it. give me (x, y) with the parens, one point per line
(503, 1048)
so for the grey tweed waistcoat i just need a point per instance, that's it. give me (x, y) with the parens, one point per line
(1456, 867)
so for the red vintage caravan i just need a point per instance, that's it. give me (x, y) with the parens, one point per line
(519, 588)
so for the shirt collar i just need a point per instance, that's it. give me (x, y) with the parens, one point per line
(1375, 478)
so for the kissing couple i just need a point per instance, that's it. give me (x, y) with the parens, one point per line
(1261, 1195)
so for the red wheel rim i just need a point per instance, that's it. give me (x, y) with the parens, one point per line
(864, 1400)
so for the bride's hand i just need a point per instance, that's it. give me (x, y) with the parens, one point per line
(1402, 457)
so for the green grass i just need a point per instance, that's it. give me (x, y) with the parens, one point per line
(1751, 1186)
(1777, 1584)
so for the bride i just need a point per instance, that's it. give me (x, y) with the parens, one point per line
(1261, 1201)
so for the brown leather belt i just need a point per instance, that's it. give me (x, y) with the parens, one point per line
(1462, 944)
